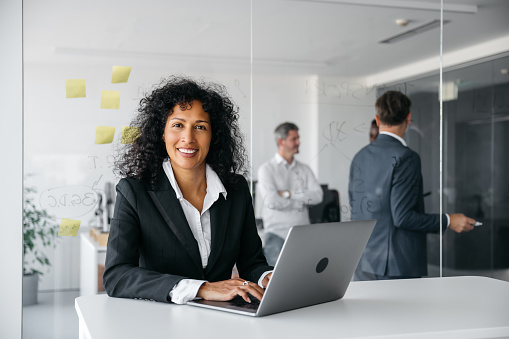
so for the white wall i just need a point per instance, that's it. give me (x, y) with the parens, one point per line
(11, 96)
(346, 107)
(279, 98)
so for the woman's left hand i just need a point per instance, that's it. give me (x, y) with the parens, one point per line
(228, 289)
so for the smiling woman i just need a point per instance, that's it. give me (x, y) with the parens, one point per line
(171, 100)
(183, 216)
(187, 136)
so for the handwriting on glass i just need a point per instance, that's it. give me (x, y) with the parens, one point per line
(69, 201)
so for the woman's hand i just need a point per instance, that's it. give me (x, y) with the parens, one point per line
(228, 289)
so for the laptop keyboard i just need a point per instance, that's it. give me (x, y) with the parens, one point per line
(239, 302)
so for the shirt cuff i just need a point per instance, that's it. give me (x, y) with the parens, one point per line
(263, 277)
(185, 290)
(448, 219)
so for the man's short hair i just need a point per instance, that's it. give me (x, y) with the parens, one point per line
(393, 108)
(281, 132)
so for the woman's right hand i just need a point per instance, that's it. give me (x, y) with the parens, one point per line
(227, 289)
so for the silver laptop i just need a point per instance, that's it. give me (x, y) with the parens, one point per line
(316, 265)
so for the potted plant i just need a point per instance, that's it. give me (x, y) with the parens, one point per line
(39, 230)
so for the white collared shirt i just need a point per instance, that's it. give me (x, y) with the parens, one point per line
(395, 136)
(186, 289)
(200, 225)
(280, 214)
(199, 222)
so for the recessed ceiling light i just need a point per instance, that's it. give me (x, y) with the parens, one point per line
(402, 22)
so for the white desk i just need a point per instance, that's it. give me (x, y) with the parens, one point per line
(454, 307)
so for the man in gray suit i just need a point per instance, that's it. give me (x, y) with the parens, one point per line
(386, 184)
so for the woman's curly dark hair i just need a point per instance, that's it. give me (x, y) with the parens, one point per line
(144, 157)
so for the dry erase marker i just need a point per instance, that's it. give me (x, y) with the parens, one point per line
(478, 223)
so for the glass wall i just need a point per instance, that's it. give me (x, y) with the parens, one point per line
(477, 125)
(71, 136)
(475, 114)
(318, 64)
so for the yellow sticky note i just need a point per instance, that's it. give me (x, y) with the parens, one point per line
(104, 134)
(75, 88)
(69, 227)
(120, 74)
(129, 134)
(110, 99)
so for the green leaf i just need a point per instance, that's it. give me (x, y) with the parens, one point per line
(38, 231)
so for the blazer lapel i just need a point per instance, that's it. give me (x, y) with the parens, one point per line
(219, 213)
(167, 203)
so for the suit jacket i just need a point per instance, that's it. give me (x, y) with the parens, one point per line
(386, 184)
(151, 246)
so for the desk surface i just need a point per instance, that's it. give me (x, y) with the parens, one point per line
(453, 307)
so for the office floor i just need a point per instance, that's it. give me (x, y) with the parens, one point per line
(54, 317)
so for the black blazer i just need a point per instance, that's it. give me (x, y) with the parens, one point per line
(386, 184)
(151, 246)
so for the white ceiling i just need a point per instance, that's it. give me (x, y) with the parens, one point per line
(322, 37)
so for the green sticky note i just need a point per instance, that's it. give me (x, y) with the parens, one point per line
(69, 227)
(75, 88)
(129, 134)
(104, 134)
(120, 74)
(110, 99)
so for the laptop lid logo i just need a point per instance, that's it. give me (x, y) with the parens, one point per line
(322, 265)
